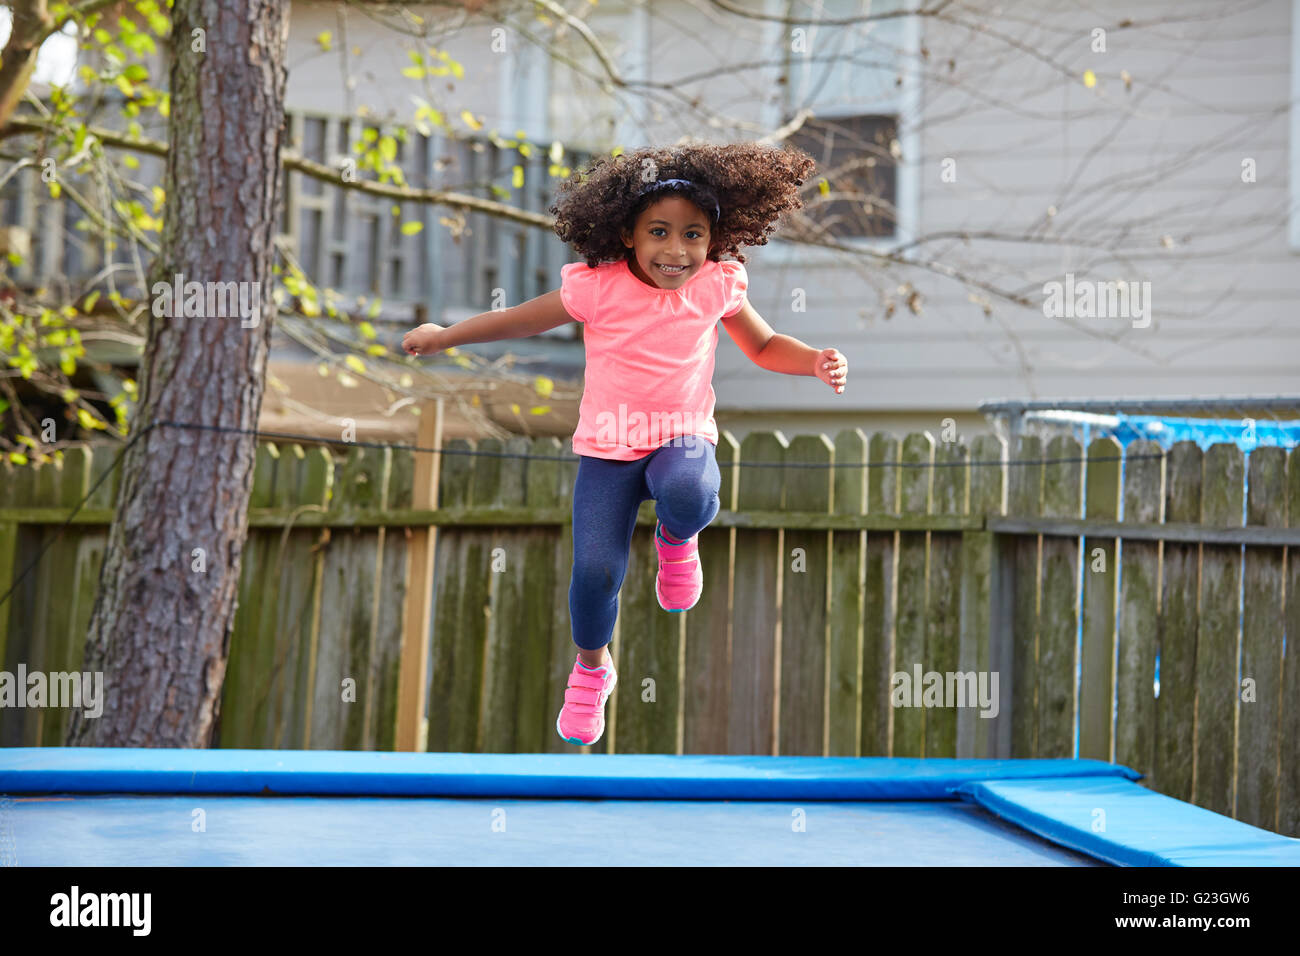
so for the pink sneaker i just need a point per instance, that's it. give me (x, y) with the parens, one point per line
(582, 718)
(680, 580)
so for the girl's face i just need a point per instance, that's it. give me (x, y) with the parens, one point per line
(670, 242)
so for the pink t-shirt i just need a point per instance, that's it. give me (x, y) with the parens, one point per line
(649, 375)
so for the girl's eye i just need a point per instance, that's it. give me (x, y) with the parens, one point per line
(658, 229)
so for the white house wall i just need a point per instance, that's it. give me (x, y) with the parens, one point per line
(1224, 293)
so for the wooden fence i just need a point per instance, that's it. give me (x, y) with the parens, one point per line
(1067, 575)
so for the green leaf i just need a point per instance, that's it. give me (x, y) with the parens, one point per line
(411, 228)
(354, 363)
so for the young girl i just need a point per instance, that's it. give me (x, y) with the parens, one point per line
(652, 226)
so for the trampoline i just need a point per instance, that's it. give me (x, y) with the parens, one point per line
(147, 807)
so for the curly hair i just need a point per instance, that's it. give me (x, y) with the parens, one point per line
(753, 185)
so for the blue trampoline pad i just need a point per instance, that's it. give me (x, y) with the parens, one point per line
(1130, 825)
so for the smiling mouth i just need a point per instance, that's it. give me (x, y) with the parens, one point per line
(670, 270)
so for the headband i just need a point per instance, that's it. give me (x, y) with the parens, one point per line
(655, 186)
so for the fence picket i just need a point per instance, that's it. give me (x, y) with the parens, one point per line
(243, 706)
(976, 736)
(531, 643)
(305, 551)
(879, 600)
(759, 563)
(1024, 500)
(1058, 613)
(706, 689)
(649, 651)
(460, 600)
(68, 561)
(382, 711)
(1288, 791)
(806, 555)
(943, 599)
(344, 650)
(508, 630)
(915, 488)
(1217, 631)
(1176, 700)
(1135, 701)
(563, 651)
(1100, 573)
(848, 563)
(1263, 621)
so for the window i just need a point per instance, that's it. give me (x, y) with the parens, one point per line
(856, 155)
(855, 68)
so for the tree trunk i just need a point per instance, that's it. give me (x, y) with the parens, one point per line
(161, 625)
(30, 26)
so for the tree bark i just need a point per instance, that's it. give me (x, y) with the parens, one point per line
(30, 26)
(161, 625)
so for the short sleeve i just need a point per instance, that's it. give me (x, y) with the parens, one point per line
(735, 281)
(578, 288)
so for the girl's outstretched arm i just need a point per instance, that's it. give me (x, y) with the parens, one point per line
(784, 353)
(516, 322)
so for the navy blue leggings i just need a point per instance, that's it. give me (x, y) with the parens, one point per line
(682, 478)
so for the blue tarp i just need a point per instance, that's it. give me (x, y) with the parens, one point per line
(1245, 433)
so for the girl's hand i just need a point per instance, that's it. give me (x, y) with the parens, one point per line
(423, 340)
(832, 368)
